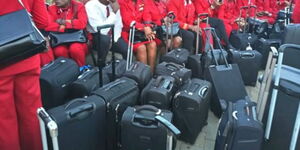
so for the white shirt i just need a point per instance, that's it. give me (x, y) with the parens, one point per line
(97, 16)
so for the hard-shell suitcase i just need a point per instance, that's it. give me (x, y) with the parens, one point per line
(120, 68)
(77, 125)
(249, 62)
(178, 56)
(284, 101)
(159, 92)
(180, 73)
(118, 95)
(239, 128)
(87, 82)
(142, 131)
(55, 80)
(190, 108)
(264, 47)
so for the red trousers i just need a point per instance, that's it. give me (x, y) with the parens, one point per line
(46, 57)
(19, 100)
(76, 51)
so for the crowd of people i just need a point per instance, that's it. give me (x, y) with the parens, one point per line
(19, 82)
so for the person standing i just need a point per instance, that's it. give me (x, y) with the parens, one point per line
(20, 89)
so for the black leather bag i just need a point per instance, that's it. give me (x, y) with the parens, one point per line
(19, 38)
(57, 38)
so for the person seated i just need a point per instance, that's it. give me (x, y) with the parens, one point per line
(212, 8)
(296, 13)
(68, 15)
(132, 10)
(103, 12)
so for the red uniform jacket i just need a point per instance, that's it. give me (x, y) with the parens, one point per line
(78, 20)
(265, 5)
(185, 14)
(241, 3)
(154, 11)
(38, 10)
(203, 6)
(296, 13)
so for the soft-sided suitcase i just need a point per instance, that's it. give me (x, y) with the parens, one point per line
(120, 68)
(180, 73)
(291, 36)
(282, 132)
(264, 47)
(87, 82)
(77, 125)
(190, 108)
(227, 82)
(141, 131)
(194, 63)
(139, 72)
(241, 41)
(118, 95)
(178, 56)
(55, 80)
(159, 92)
(249, 62)
(239, 128)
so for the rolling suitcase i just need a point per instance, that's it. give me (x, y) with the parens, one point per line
(120, 68)
(87, 82)
(264, 47)
(249, 62)
(180, 73)
(227, 82)
(159, 92)
(284, 101)
(239, 128)
(118, 95)
(77, 125)
(146, 132)
(55, 80)
(291, 36)
(178, 56)
(137, 71)
(190, 108)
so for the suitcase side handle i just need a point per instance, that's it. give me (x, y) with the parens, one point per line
(144, 121)
(203, 91)
(168, 125)
(81, 112)
(247, 55)
(149, 108)
(172, 66)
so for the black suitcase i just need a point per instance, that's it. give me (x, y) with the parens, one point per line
(194, 63)
(80, 124)
(120, 68)
(241, 41)
(159, 92)
(239, 128)
(258, 27)
(178, 56)
(55, 80)
(180, 73)
(277, 30)
(249, 62)
(118, 95)
(291, 36)
(264, 47)
(141, 131)
(190, 108)
(139, 72)
(87, 82)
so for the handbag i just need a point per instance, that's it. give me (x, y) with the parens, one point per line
(172, 30)
(19, 37)
(58, 38)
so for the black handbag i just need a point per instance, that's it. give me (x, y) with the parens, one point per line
(19, 37)
(58, 38)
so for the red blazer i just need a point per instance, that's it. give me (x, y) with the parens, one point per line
(185, 15)
(38, 10)
(154, 11)
(241, 3)
(78, 20)
(227, 12)
(203, 6)
(296, 13)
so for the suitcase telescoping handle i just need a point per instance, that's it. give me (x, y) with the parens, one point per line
(275, 93)
(111, 26)
(46, 120)
(130, 45)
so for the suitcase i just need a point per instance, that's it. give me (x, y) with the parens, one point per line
(178, 72)
(144, 130)
(120, 68)
(241, 41)
(118, 95)
(137, 71)
(227, 83)
(249, 62)
(284, 101)
(239, 128)
(55, 80)
(87, 82)
(291, 36)
(277, 30)
(178, 56)
(159, 92)
(195, 65)
(190, 108)
(258, 27)
(77, 125)
(264, 47)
